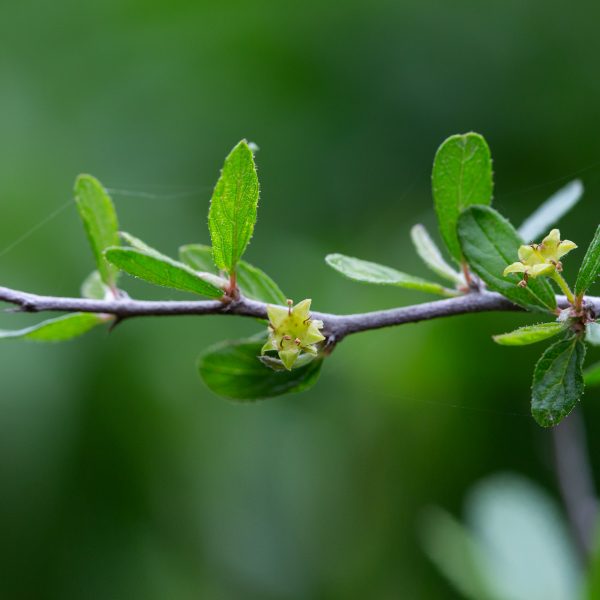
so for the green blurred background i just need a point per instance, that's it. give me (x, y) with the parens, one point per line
(122, 476)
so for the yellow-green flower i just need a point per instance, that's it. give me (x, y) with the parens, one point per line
(541, 259)
(292, 332)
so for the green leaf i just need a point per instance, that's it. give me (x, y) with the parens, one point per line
(232, 213)
(592, 333)
(462, 176)
(590, 267)
(161, 270)
(369, 272)
(58, 330)
(490, 243)
(252, 281)
(455, 552)
(100, 221)
(431, 255)
(233, 369)
(93, 287)
(197, 256)
(136, 243)
(530, 334)
(539, 223)
(525, 546)
(256, 284)
(591, 376)
(558, 381)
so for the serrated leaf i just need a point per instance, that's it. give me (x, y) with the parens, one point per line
(233, 369)
(163, 271)
(591, 376)
(369, 272)
(100, 222)
(253, 282)
(551, 211)
(462, 176)
(590, 266)
(558, 381)
(530, 334)
(58, 330)
(490, 243)
(431, 255)
(93, 287)
(233, 206)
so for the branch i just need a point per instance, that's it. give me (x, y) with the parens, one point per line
(575, 479)
(335, 326)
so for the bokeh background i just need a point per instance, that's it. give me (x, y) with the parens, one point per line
(121, 475)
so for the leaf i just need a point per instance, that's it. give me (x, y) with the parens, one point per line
(591, 376)
(161, 270)
(462, 176)
(100, 221)
(590, 267)
(136, 243)
(490, 243)
(525, 545)
(592, 333)
(552, 210)
(232, 213)
(369, 272)
(252, 281)
(256, 284)
(59, 329)
(558, 381)
(455, 552)
(197, 256)
(93, 287)
(530, 334)
(431, 255)
(232, 369)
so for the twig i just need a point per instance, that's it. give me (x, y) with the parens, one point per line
(338, 326)
(572, 466)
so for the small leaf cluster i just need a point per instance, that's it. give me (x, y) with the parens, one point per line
(484, 246)
(237, 369)
(485, 252)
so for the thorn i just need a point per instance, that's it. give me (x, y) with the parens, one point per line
(117, 321)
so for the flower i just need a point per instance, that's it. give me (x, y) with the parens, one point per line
(292, 332)
(536, 260)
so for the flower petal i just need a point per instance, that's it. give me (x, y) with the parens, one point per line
(564, 248)
(313, 335)
(517, 267)
(270, 344)
(551, 241)
(537, 270)
(288, 357)
(529, 255)
(277, 315)
(302, 309)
